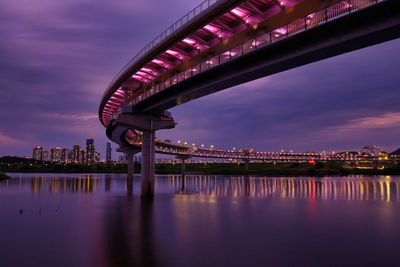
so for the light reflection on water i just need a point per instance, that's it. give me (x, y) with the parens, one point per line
(349, 188)
(100, 220)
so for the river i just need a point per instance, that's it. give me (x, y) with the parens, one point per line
(100, 220)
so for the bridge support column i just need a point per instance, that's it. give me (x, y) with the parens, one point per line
(148, 124)
(130, 151)
(183, 159)
(131, 165)
(148, 163)
(246, 164)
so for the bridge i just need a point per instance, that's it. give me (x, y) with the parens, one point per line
(223, 43)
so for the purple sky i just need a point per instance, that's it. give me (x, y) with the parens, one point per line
(57, 57)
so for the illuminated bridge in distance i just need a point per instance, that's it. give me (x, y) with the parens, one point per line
(223, 43)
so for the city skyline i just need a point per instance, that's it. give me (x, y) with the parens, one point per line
(78, 154)
(337, 104)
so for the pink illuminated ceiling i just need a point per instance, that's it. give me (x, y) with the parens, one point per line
(235, 20)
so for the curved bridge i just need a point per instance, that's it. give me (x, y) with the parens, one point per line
(224, 43)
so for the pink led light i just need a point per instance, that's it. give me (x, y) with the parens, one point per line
(189, 41)
(117, 96)
(172, 52)
(144, 74)
(239, 12)
(281, 31)
(212, 28)
(149, 71)
(140, 78)
(229, 53)
(157, 61)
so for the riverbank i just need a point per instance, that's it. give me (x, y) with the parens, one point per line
(3, 177)
(256, 169)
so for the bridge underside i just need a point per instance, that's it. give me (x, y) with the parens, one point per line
(351, 32)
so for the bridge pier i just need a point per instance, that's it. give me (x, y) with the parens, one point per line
(183, 159)
(148, 124)
(148, 163)
(131, 165)
(131, 152)
(246, 164)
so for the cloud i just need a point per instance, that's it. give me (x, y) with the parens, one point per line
(387, 120)
(71, 117)
(8, 141)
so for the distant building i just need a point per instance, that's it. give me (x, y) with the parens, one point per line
(123, 158)
(65, 155)
(83, 156)
(97, 157)
(55, 154)
(90, 150)
(45, 155)
(108, 153)
(37, 153)
(76, 154)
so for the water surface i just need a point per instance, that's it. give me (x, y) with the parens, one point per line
(100, 220)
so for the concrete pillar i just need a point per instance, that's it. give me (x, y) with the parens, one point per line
(183, 159)
(131, 165)
(183, 166)
(183, 183)
(147, 124)
(376, 166)
(130, 151)
(148, 163)
(246, 164)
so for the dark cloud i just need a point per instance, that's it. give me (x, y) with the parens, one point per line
(57, 57)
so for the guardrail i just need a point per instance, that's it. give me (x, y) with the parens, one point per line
(172, 29)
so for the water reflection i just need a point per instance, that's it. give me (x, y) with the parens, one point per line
(378, 188)
(382, 188)
(129, 234)
(100, 220)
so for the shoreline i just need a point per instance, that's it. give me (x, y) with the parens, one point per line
(266, 172)
(319, 169)
(3, 177)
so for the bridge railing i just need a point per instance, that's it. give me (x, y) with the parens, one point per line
(172, 29)
(296, 27)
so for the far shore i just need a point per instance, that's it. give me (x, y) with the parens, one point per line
(255, 169)
(3, 177)
(272, 169)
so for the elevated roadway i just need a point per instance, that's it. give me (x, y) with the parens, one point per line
(224, 43)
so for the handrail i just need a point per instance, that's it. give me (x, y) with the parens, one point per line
(172, 29)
